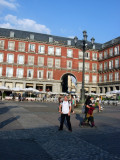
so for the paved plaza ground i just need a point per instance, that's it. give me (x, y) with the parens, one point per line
(29, 131)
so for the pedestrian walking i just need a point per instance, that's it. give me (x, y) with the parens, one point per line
(73, 103)
(65, 110)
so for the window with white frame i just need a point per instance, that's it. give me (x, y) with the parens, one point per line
(105, 66)
(20, 59)
(111, 77)
(1, 57)
(105, 77)
(19, 73)
(57, 63)
(116, 50)
(116, 63)
(87, 66)
(94, 67)
(2, 44)
(58, 51)
(41, 49)
(50, 62)
(50, 50)
(40, 74)
(32, 36)
(21, 47)
(69, 53)
(80, 66)
(49, 74)
(100, 78)
(31, 60)
(69, 42)
(12, 34)
(105, 54)
(10, 58)
(51, 39)
(94, 79)
(111, 64)
(0, 71)
(100, 66)
(69, 64)
(9, 72)
(111, 52)
(116, 76)
(11, 45)
(30, 73)
(94, 56)
(80, 54)
(87, 55)
(31, 47)
(40, 61)
(100, 56)
(86, 78)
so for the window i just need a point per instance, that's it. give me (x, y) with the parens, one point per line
(11, 34)
(58, 51)
(41, 49)
(111, 52)
(94, 79)
(40, 61)
(116, 76)
(19, 72)
(87, 66)
(86, 78)
(11, 45)
(116, 50)
(51, 39)
(105, 77)
(49, 75)
(57, 63)
(40, 74)
(100, 56)
(69, 53)
(1, 44)
(10, 58)
(105, 54)
(80, 66)
(1, 57)
(116, 63)
(80, 54)
(21, 47)
(20, 59)
(100, 78)
(30, 73)
(94, 56)
(94, 67)
(32, 36)
(31, 60)
(105, 66)
(31, 47)
(69, 42)
(69, 64)
(110, 77)
(87, 55)
(101, 67)
(50, 62)
(50, 50)
(9, 72)
(0, 71)
(111, 64)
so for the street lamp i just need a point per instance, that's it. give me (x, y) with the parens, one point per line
(84, 49)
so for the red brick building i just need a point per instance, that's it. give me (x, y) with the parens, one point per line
(41, 61)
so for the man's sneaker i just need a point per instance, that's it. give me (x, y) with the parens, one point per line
(60, 129)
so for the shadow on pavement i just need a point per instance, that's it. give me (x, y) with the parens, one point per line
(6, 109)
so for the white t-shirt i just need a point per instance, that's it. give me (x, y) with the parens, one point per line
(65, 107)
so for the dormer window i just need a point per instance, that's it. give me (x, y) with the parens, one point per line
(11, 34)
(51, 39)
(69, 42)
(32, 36)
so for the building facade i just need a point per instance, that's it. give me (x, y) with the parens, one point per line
(45, 62)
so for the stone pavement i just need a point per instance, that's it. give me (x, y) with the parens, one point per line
(29, 131)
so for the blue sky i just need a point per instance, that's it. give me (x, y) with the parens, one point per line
(66, 18)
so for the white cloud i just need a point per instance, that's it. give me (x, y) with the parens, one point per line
(11, 21)
(8, 4)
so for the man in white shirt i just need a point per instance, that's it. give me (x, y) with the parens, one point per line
(65, 110)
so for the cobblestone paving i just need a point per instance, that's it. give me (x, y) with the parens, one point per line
(29, 131)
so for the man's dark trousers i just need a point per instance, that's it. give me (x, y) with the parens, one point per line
(63, 116)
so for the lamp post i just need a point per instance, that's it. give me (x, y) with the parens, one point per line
(83, 73)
